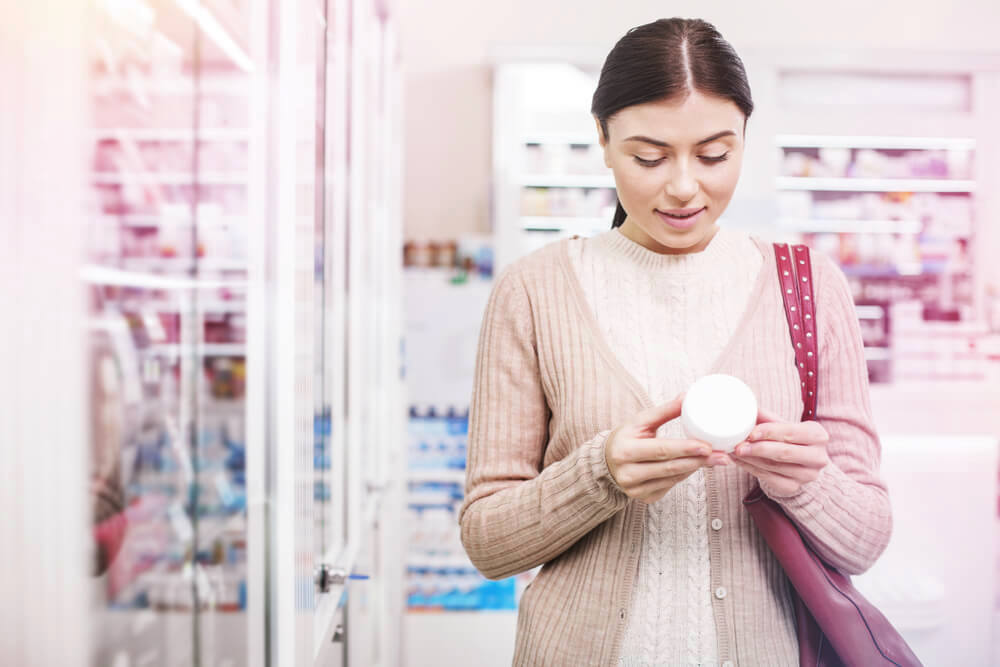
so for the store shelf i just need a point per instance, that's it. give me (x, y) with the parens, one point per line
(437, 475)
(166, 134)
(878, 353)
(103, 275)
(202, 306)
(204, 350)
(230, 84)
(565, 181)
(870, 312)
(169, 178)
(875, 184)
(439, 561)
(556, 138)
(148, 221)
(560, 223)
(180, 264)
(859, 226)
(885, 143)
(896, 270)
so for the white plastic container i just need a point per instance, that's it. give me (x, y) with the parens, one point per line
(719, 409)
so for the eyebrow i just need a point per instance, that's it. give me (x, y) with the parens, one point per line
(657, 142)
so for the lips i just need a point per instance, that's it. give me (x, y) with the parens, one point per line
(681, 219)
(682, 212)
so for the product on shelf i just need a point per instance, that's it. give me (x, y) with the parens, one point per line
(893, 245)
(439, 575)
(470, 255)
(841, 162)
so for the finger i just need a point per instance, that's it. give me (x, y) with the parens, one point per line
(656, 489)
(653, 418)
(800, 433)
(719, 459)
(765, 416)
(801, 474)
(773, 478)
(632, 475)
(663, 449)
(783, 453)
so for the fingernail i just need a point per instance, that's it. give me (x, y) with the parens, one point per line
(742, 450)
(755, 435)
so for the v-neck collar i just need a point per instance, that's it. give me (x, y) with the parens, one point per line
(765, 278)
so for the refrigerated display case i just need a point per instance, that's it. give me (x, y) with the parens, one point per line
(244, 276)
(167, 281)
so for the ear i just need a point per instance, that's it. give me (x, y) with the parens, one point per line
(603, 140)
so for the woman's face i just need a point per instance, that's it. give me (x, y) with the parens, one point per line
(677, 157)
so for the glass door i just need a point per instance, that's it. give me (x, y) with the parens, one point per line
(167, 282)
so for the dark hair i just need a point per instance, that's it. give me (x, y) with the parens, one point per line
(665, 59)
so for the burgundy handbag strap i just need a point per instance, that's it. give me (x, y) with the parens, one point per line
(795, 277)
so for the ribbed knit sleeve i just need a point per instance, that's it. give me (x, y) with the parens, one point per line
(516, 515)
(845, 512)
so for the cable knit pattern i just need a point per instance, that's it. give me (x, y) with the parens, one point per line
(555, 374)
(680, 310)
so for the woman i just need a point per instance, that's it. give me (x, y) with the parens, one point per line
(577, 461)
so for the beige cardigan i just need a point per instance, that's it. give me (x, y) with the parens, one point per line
(547, 391)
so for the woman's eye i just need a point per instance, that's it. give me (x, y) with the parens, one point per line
(712, 159)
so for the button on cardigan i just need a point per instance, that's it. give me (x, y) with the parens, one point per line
(548, 389)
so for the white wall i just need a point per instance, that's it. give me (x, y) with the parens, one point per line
(44, 536)
(446, 44)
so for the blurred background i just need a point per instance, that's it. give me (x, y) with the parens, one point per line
(246, 249)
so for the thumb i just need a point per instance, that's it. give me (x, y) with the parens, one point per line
(654, 417)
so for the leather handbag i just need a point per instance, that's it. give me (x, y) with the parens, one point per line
(835, 624)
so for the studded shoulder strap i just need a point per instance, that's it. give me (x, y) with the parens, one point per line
(795, 278)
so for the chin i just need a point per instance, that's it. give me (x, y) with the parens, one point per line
(682, 239)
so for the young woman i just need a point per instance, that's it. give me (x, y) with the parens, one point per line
(577, 461)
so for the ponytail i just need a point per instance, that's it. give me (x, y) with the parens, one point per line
(619, 216)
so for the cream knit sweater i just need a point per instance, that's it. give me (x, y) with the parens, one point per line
(678, 315)
(556, 372)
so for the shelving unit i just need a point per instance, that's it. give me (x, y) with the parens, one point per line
(899, 238)
(549, 180)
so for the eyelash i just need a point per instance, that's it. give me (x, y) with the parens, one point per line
(711, 160)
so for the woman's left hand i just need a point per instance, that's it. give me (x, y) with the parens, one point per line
(783, 456)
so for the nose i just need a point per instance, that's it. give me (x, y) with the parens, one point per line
(682, 186)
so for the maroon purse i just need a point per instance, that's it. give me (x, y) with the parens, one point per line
(836, 625)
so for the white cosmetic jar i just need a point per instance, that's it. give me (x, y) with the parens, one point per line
(719, 409)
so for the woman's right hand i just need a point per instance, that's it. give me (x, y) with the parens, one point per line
(647, 467)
